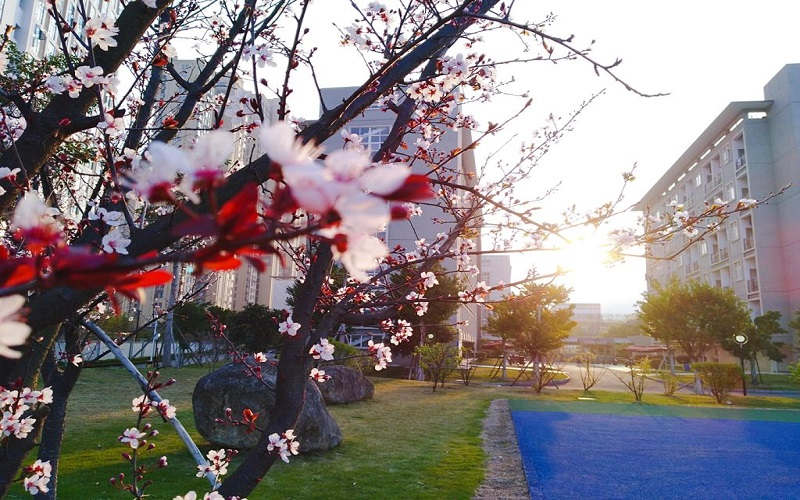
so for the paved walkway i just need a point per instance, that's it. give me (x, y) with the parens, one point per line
(505, 478)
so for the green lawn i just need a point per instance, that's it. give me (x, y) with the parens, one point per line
(406, 443)
(776, 382)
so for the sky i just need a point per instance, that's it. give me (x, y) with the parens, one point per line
(703, 53)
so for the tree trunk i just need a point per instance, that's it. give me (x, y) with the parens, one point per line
(754, 371)
(53, 430)
(503, 346)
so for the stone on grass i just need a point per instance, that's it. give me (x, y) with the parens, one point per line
(346, 385)
(230, 387)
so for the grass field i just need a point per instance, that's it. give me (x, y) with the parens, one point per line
(406, 443)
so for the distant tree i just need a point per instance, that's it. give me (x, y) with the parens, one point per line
(436, 324)
(191, 320)
(225, 316)
(627, 328)
(256, 328)
(794, 324)
(759, 341)
(693, 315)
(534, 320)
(116, 324)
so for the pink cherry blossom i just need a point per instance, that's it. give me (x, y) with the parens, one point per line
(39, 478)
(13, 332)
(361, 253)
(132, 436)
(323, 350)
(289, 327)
(115, 242)
(89, 76)
(318, 375)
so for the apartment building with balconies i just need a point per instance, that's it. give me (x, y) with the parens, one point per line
(749, 151)
(373, 126)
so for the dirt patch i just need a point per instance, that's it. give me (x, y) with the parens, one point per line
(505, 478)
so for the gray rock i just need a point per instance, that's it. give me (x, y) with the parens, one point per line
(346, 385)
(229, 387)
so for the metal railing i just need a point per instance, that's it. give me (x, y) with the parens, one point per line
(752, 286)
(714, 183)
(719, 255)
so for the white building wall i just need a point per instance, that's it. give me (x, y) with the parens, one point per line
(757, 144)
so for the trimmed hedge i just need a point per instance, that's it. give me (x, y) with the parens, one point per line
(720, 378)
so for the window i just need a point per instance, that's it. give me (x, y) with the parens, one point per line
(733, 231)
(738, 272)
(731, 192)
(371, 137)
(698, 181)
(703, 247)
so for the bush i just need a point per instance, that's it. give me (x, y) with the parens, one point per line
(720, 378)
(347, 355)
(670, 382)
(794, 373)
(438, 360)
(636, 377)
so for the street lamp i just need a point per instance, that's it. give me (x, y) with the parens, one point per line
(741, 340)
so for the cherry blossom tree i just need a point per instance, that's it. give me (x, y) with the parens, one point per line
(107, 183)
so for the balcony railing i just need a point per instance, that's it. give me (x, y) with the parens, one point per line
(748, 243)
(713, 184)
(740, 162)
(719, 255)
(752, 286)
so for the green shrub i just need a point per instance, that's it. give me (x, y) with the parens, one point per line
(438, 360)
(794, 373)
(670, 382)
(347, 355)
(720, 378)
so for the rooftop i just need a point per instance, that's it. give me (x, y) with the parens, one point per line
(717, 127)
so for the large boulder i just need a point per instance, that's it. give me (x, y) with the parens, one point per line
(230, 387)
(345, 385)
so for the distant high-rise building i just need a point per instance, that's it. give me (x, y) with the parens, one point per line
(588, 319)
(495, 268)
(227, 289)
(373, 126)
(750, 150)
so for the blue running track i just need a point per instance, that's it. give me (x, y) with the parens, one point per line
(596, 452)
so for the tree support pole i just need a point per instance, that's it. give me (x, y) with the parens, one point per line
(153, 395)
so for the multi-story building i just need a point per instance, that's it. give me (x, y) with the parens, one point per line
(750, 150)
(227, 289)
(495, 268)
(588, 319)
(373, 126)
(36, 33)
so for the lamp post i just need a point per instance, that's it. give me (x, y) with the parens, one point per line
(741, 340)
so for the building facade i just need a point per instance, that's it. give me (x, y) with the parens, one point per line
(588, 319)
(373, 126)
(227, 289)
(35, 31)
(495, 268)
(749, 151)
